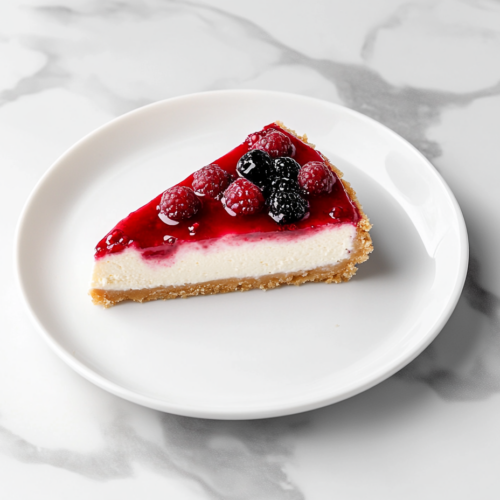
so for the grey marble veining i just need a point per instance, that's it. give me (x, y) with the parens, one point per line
(359, 87)
(117, 56)
(227, 460)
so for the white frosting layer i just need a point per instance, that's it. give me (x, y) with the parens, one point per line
(225, 259)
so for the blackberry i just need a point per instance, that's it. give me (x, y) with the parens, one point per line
(282, 184)
(256, 166)
(286, 207)
(285, 167)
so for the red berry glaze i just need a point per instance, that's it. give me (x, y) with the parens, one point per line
(243, 198)
(115, 241)
(147, 230)
(316, 178)
(211, 181)
(179, 202)
(273, 142)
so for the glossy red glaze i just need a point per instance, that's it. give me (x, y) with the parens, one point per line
(145, 230)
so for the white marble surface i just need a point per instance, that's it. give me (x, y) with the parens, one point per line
(428, 69)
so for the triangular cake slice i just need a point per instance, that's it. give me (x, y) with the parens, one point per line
(272, 211)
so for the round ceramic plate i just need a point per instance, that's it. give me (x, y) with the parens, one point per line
(253, 354)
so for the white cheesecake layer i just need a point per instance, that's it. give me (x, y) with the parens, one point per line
(226, 258)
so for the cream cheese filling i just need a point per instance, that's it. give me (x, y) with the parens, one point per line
(225, 259)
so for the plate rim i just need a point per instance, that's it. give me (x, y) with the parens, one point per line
(399, 361)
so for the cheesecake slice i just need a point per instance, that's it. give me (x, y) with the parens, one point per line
(272, 211)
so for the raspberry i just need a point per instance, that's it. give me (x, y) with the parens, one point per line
(286, 167)
(243, 198)
(254, 138)
(211, 181)
(287, 207)
(179, 202)
(316, 178)
(256, 166)
(274, 143)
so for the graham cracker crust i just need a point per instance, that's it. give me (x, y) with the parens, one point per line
(337, 273)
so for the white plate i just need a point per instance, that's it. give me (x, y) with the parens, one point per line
(252, 354)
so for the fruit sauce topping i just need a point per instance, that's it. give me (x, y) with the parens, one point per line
(282, 184)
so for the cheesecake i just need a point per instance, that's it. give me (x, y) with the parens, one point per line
(270, 212)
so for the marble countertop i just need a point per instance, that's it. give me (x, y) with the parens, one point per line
(427, 69)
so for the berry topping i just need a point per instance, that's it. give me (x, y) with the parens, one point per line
(170, 240)
(179, 202)
(211, 181)
(273, 142)
(283, 184)
(286, 167)
(287, 207)
(243, 198)
(113, 242)
(116, 237)
(192, 229)
(256, 166)
(316, 178)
